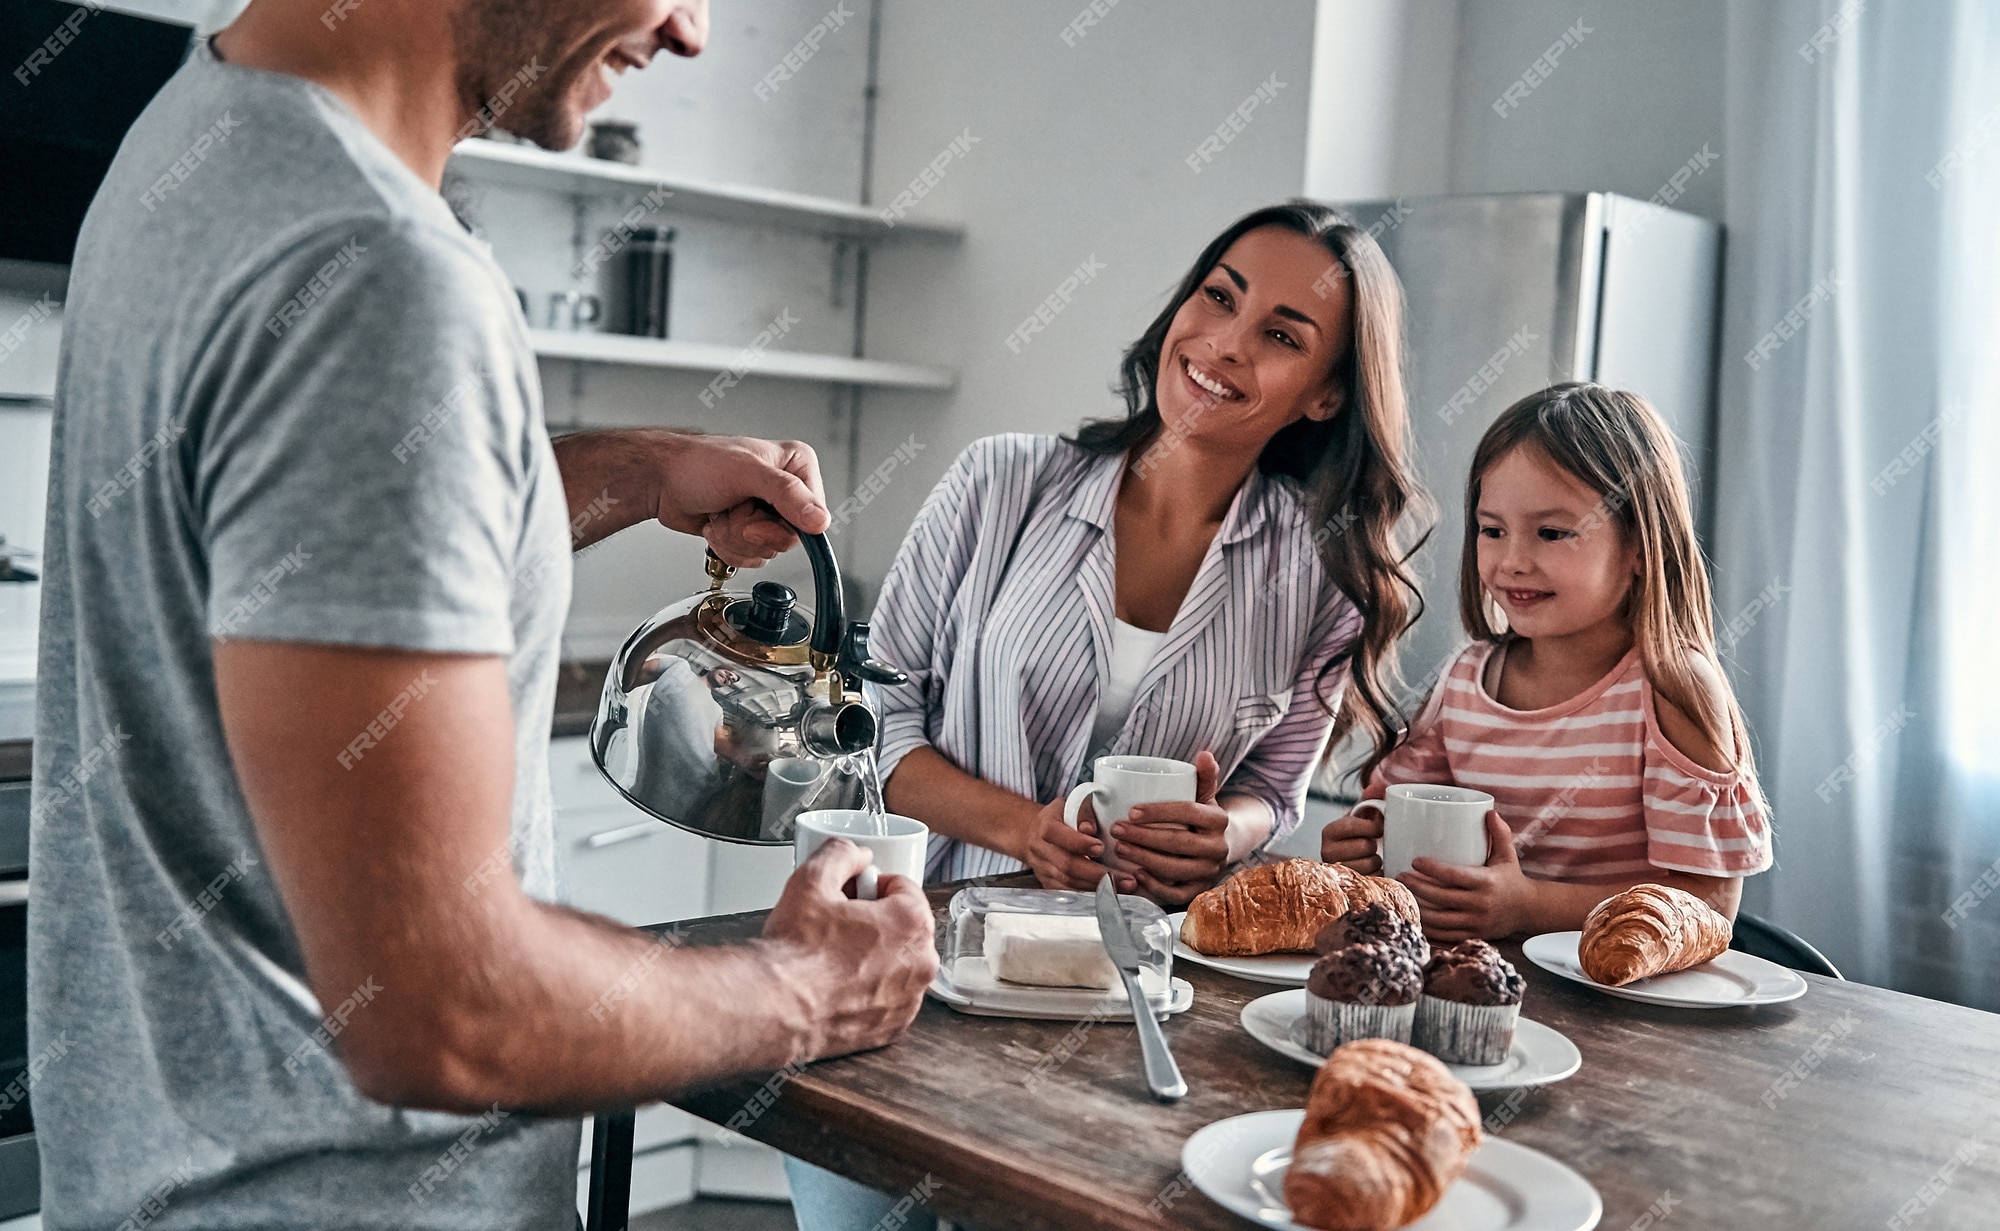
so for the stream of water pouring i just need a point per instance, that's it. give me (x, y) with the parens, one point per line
(862, 765)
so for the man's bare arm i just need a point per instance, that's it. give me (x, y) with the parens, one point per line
(698, 484)
(393, 864)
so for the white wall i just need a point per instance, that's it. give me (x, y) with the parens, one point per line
(1634, 99)
(1384, 79)
(704, 117)
(1404, 92)
(1081, 152)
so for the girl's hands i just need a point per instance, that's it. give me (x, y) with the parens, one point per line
(1355, 840)
(1175, 850)
(1464, 903)
(1061, 857)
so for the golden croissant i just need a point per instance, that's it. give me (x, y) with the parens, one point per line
(1387, 1130)
(1280, 907)
(1649, 930)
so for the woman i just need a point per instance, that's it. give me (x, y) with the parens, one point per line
(1201, 580)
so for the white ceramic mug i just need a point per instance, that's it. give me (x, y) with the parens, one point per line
(898, 842)
(1445, 823)
(1120, 783)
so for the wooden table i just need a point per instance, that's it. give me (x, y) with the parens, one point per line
(1841, 1109)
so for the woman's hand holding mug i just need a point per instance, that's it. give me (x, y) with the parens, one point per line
(1062, 857)
(1172, 850)
(1170, 840)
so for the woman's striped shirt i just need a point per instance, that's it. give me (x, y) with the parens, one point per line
(1000, 606)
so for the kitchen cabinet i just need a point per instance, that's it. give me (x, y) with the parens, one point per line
(28, 349)
(731, 1165)
(617, 861)
(742, 878)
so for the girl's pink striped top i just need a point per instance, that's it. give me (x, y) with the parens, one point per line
(1591, 789)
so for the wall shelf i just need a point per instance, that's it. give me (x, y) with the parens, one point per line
(713, 357)
(575, 175)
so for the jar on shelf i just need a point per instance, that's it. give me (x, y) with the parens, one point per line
(643, 277)
(615, 141)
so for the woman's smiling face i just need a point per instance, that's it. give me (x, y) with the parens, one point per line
(1255, 347)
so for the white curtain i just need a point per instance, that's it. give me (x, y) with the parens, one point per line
(1858, 447)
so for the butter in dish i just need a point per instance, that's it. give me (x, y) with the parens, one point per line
(1038, 953)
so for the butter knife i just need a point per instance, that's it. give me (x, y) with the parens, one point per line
(1163, 1076)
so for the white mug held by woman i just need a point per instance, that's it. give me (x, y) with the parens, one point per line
(1119, 784)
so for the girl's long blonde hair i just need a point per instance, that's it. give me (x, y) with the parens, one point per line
(1616, 443)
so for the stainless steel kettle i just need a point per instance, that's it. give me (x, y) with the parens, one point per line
(728, 714)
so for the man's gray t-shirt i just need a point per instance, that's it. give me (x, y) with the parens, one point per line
(296, 403)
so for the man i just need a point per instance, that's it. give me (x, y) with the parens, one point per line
(292, 962)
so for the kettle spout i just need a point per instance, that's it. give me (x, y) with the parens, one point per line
(837, 730)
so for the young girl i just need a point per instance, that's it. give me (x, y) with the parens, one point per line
(1589, 704)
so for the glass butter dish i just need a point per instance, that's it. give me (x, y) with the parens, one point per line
(1038, 953)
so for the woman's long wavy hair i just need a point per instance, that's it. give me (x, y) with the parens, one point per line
(1616, 444)
(1354, 468)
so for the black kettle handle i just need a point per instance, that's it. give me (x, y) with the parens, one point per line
(829, 599)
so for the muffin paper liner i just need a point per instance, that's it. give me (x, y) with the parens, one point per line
(1464, 1033)
(1329, 1023)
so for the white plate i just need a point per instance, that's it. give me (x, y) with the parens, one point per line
(1240, 1164)
(1284, 969)
(1733, 979)
(1540, 1055)
(977, 992)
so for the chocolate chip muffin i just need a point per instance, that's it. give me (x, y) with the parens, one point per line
(1470, 1004)
(1361, 991)
(1374, 924)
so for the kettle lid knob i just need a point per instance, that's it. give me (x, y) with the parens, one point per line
(769, 618)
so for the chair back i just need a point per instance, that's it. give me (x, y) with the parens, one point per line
(1762, 938)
